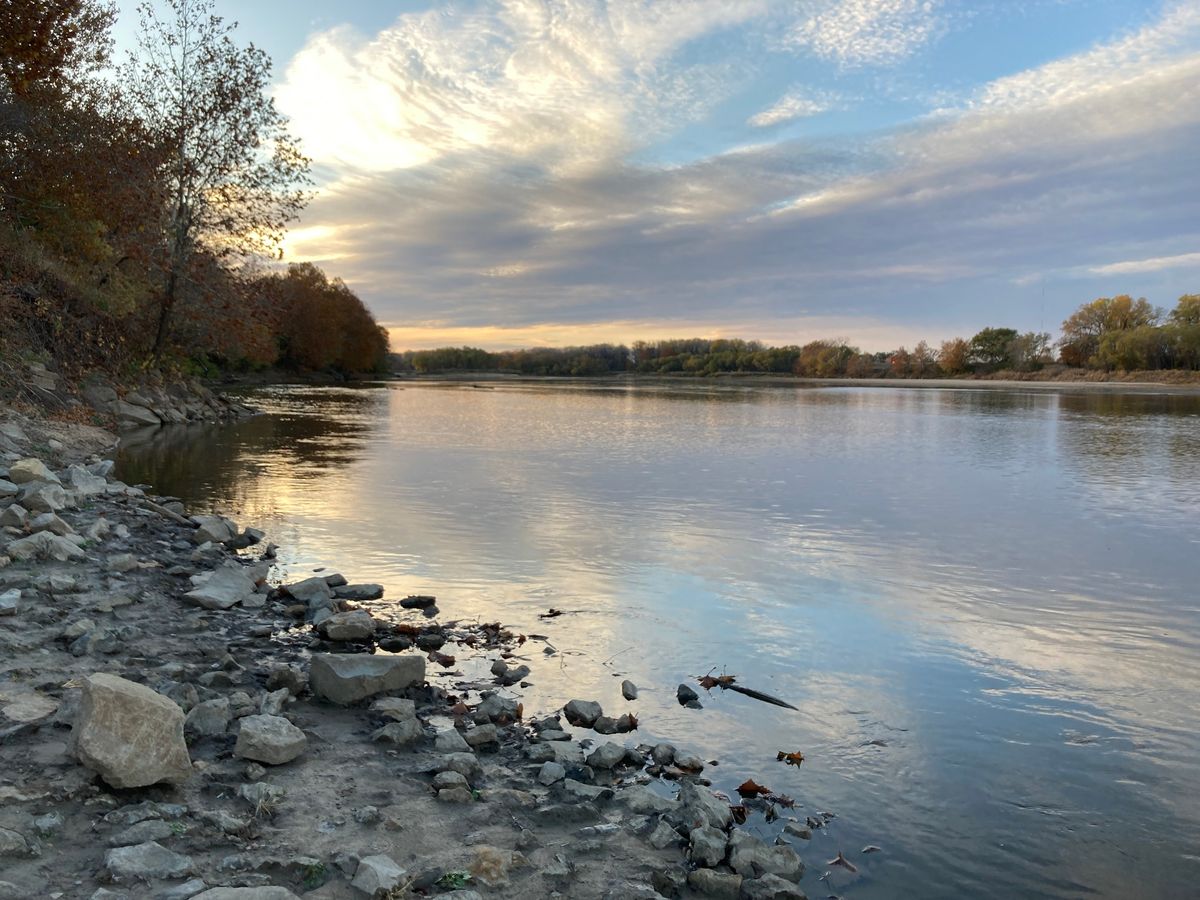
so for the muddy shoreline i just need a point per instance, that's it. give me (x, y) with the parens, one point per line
(323, 755)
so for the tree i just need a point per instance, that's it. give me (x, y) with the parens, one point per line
(42, 42)
(1088, 324)
(236, 176)
(1030, 351)
(990, 348)
(1187, 310)
(954, 357)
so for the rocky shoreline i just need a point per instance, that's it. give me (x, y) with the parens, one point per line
(173, 724)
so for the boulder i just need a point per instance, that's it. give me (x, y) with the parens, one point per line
(349, 626)
(309, 590)
(706, 846)
(700, 807)
(43, 545)
(51, 523)
(403, 732)
(269, 739)
(752, 858)
(7, 489)
(30, 470)
(629, 690)
(348, 678)
(132, 414)
(606, 756)
(771, 887)
(40, 497)
(227, 586)
(208, 719)
(450, 741)
(377, 875)
(148, 860)
(83, 483)
(270, 892)
(715, 884)
(128, 734)
(217, 529)
(583, 713)
(10, 601)
(360, 593)
(14, 516)
(395, 708)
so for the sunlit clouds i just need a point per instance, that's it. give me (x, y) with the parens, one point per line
(511, 170)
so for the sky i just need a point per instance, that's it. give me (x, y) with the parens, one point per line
(509, 173)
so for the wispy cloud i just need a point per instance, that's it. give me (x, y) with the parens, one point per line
(798, 103)
(1154, 264)
(868, 32)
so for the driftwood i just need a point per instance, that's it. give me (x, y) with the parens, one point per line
(165, 513)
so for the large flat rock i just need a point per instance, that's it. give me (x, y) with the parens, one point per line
(130, 735)
(350, 677)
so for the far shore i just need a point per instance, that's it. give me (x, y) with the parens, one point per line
(748, 380)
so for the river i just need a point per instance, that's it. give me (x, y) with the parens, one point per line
(985, 604)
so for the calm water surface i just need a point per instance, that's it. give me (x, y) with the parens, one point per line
(985, 604)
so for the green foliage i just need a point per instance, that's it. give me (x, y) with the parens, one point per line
(990, 349)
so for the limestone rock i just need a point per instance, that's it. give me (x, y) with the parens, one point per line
(377, 875)
(308, 590)
(7, 488)
(43, 545)
(128, 734)
(269, 892)
(217, 529)
(356, 625)
(148, 860)
(27, 470)
(51, 523)
(348, 678)
(40, 496)
(715, 884)
(227, 586)
(15, 516)
(10, 602)
(132, 414)
(83, 483)
(269, 739)
(700, 807)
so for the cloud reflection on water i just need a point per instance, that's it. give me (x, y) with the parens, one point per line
(1000, 585)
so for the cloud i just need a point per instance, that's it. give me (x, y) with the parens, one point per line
(1154, 264)
(868, 32)
(492, 172)
(797, 103)
(565, 83)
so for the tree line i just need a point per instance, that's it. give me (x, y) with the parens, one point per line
(1109, 334)
(141, 204)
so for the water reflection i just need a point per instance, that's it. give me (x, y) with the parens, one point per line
(983, 602)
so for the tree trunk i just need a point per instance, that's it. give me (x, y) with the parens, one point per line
(164, 312)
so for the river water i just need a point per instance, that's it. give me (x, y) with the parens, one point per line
(985, 604)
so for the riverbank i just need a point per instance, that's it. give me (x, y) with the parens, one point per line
(1066, 385)
(174, 723)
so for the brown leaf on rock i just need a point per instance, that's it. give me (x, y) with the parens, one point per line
(739, 814)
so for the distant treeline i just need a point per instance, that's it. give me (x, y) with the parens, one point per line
(140, 206)
(1109, 334)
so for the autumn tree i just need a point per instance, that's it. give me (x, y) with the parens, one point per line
(235, 176)
(1082, 332)
(954, 357)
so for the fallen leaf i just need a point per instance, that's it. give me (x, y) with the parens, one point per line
(792, 759)
(871, 848)
(739, 814)
(840, 860)
(749, 788)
